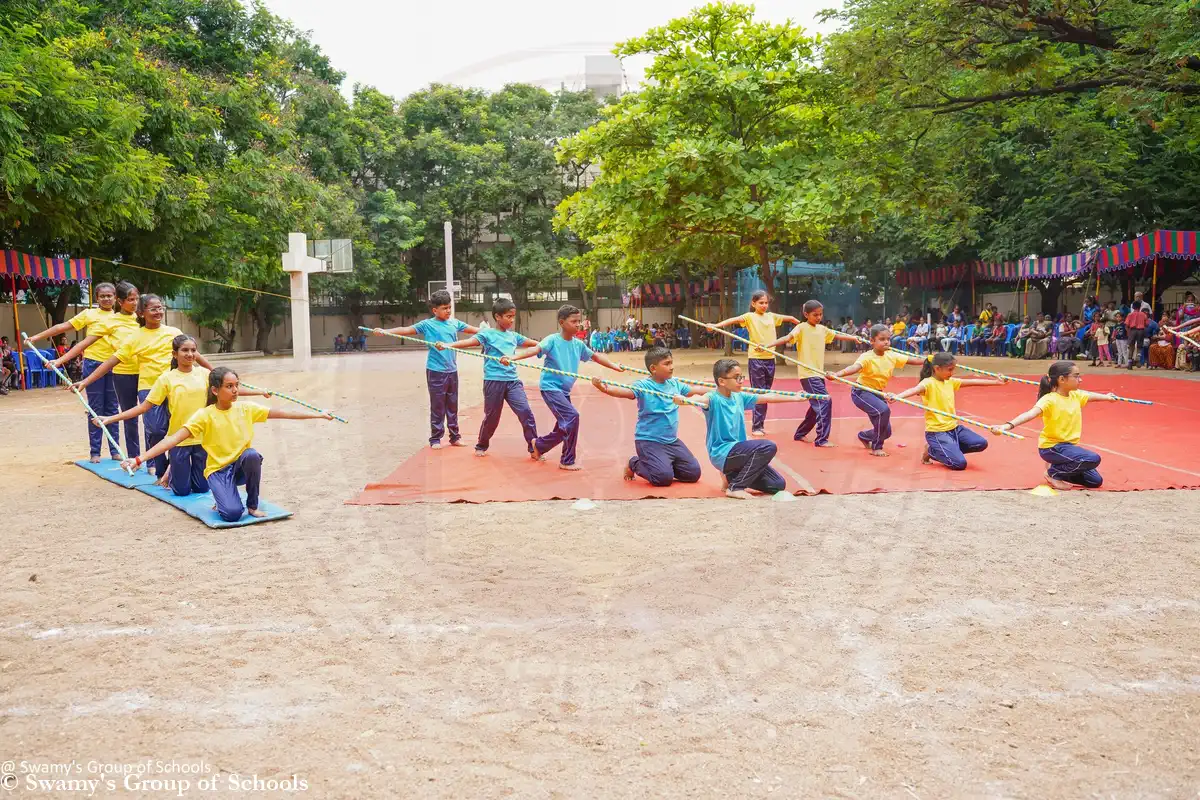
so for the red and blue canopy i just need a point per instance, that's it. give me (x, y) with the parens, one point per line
(1128, 254)
(665, 293)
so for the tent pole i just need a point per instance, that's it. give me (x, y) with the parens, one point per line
(1154, 285)
(17, 333)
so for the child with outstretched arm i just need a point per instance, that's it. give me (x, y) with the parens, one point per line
(760, 324)
(500, 382)
(662, 457)
(876, 367)
(743, 464)
(441, 367)
(562, 351)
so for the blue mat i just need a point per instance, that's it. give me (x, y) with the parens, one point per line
(111, 471)
(200, 506)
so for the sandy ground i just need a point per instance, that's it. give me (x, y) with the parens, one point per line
(908, 645)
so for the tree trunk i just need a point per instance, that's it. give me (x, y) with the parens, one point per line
(766, 270)
(1051, 292)
(681, 306)
(726, 294)
(56, 308)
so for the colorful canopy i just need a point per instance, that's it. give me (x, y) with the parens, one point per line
(39, 269)
(661, 293)
(1167, 244)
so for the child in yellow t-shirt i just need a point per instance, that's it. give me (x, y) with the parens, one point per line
(946, 442)
(876, 366)
(760, 324)
(1060, 405)
(810, 338)
(225, 429)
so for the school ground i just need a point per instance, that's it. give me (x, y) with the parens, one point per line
(990, 644)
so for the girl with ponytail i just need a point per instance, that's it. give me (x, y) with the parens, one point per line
(180, 392)
(876, 366)
(224, 431)
(1060, 405)
(946, 442)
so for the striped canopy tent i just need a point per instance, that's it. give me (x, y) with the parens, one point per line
(1145, 249)
(21, 270)
(665, 294)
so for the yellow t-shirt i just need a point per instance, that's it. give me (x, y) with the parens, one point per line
(150, 350)
(1062, 418)
(185, 393)
(112, 329)
(940, 395)
(877, 370)
(760, 329)
(99, 350)
(898, 328)
(810, 348)
(225, 435)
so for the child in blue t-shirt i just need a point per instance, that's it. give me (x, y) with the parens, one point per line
(500, 381)
(441, 368)
(661, 457)
(562, 351)
(743, 464)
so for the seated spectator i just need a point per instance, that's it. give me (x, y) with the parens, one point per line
(978, 344)
(1016, 348)
(1068, 344)
(919, 338)
(950, 340)
(1162, 350)
(899, 332)
(1038, 343)
(999, 334)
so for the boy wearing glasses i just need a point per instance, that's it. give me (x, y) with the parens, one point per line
(743, 464)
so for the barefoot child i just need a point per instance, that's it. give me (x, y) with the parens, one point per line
(760, 325)
(441, 367)
(117, 389)
(224, 428)
(184, 390)
(562, 351)
(661, 457)
(946, 441)
(810, 338)
(876, 366)
(743, 464)
(1060, 405)
(500, 382)
(149, 349)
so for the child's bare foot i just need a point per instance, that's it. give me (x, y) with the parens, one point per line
(880, 453)
(570, 467)
(865, 444)
(535, 455)
(161, 482)
(825, 444)
(739, 494)
(254, 512)
(925, 457)
(1055, 483)
(758, 433)
(94, 460)
(724, 481)
(458, 443)
(627, 473)
(435, 446)
(480, 453)
(803, 438)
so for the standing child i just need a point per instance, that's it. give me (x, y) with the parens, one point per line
(441, 367)
(946, 442)
(1100, 332)
(224, 429)
(149, 349)
(760, 325)
(563, 352)
(810, 338)
(1120, 339)
(1060, 405)
(743, 464)
(876, 366)
(500, 382)
(661, 457)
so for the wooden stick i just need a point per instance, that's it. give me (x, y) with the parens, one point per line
(1182, 335)
(964, 366)
(747, 390)
(884, 395)
(274, 393)
(78, 394)
(576, 375)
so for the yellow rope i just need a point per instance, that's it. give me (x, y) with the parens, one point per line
(189, 277)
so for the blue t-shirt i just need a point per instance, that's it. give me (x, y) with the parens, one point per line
(436, 330)
(563, 354)
(726, 419)
(498, 343)
(658, 417)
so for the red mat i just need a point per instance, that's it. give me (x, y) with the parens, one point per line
(1143, 447)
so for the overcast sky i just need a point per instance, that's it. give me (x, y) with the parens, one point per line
(400, 47)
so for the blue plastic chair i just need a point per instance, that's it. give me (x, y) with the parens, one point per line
(35, 373)
(50, 378)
